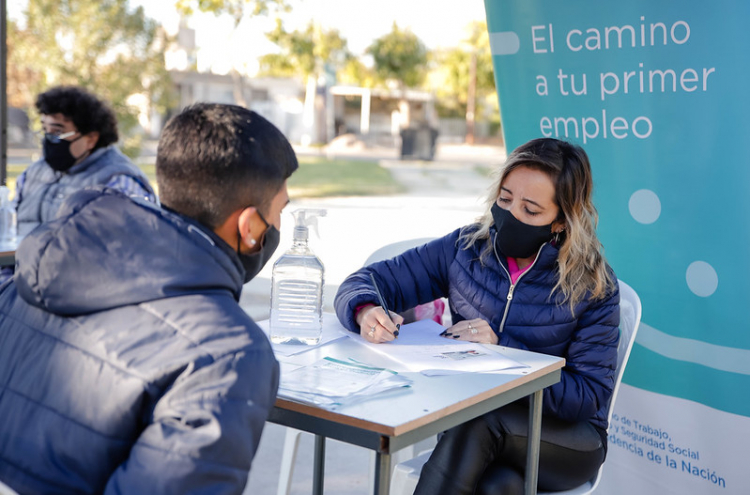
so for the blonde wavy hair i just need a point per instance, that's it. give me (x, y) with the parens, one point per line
(582, 268)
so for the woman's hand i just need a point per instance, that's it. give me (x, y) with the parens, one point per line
(375, 326)
(476, 330)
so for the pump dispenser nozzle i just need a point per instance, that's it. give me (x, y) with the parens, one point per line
(305, 218)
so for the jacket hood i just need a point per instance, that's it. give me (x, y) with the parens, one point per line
(106, 250)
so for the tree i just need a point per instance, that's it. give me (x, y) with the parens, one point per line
(238, 10)
(357, 73)
(400, 56)
(464, 77)
(101, 45)
(307, 52)
(304, 51)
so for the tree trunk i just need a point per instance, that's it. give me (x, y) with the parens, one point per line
(238, 88)
(471, 99)
(404, 108)
(308, 114)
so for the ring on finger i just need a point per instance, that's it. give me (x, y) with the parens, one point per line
(473, 330)
(372, 331)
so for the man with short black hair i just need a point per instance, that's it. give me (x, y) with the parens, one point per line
(127, 364)
(80, 133)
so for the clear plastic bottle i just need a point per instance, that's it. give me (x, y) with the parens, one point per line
(297, 287)
(8, 227)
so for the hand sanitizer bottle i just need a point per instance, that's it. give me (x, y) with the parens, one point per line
(7, 219)
(297, 287)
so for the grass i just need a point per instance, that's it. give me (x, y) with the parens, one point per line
(317, 177)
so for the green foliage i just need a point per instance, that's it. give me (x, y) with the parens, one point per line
(356, 73)
(304, 52)
(277, 65)
(237, 9)
(451, 75)
(102, 45)
(401, 56)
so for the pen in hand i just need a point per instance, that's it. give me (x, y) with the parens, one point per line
(383, 305)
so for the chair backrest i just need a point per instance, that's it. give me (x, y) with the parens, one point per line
(6, 490)
(630, 320)
(394, 249)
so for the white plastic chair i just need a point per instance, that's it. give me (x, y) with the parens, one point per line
(291, 439)
(6, 490)
(390, 250)
(406, 474)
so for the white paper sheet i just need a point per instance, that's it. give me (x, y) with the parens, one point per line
(331, 382)
(419, 347)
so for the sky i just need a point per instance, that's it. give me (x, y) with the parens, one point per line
(440, 23)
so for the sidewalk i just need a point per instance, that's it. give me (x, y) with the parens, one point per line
(442, 195)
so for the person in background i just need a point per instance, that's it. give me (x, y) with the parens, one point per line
(80, 133)
(530, 275)
(127, 365)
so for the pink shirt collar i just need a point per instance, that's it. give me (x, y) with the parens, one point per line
(515, 272)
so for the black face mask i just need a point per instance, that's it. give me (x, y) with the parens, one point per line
(515, 238)
(254, 263)
(58, 155)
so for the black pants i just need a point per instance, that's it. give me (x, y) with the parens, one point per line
(487, 456)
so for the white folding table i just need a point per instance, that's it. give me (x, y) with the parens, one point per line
(396, 419)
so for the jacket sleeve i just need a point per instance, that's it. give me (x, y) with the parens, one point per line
(587, 380)
(203, 432)
(416, 276)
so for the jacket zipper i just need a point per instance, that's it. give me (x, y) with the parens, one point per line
(512, 285)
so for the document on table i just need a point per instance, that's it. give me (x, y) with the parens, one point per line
(419, 347)
(331, 382)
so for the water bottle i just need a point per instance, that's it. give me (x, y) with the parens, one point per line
(8, 226)
(297, 287)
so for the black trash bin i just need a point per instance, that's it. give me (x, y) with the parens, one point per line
(418, 142)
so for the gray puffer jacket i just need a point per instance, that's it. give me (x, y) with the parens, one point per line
(45, 190)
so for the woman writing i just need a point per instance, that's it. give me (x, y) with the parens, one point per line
(529, 275)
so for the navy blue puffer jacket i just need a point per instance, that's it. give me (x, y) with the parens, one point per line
(523, 315)
(126, 363)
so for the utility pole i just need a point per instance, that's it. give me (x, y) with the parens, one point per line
(471, 98)
(3, 93)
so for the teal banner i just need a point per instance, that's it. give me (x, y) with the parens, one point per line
(657, 94)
